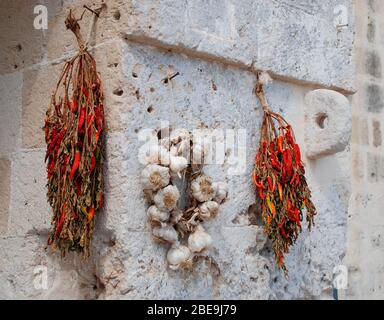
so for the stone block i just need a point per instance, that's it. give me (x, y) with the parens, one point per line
(377, 136)
(21, 44)
(10, 110)
(38, 85)
(29, 210)
(289, 38)
(375, 165)
(5, 192)
(374, 100)
(327, 123)
(373, 64)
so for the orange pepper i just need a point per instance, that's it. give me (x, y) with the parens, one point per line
(280, 188)
(91, 213)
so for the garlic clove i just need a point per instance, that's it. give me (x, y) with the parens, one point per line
(178, 255)
(178, 164)
(166, 199)
(165, 142)
(221, 191)
(154, 177)
(199, 240)
(173, 151)
(208, 209)
(202, 189)
(155, 214)
(165, 233)
(183, 148)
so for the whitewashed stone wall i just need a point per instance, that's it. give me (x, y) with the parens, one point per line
(216, 46)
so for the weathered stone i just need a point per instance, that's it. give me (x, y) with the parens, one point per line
(21, 44)
(374, 167)
(373, 64)
(376, 133)
(327, 123)
(286, 42)
(38, 86)
(215, 92)
(374, 98)
(10, 110)
(371, 31)
(364, 132)
(358, 165)
(29, 210)
(5, 192)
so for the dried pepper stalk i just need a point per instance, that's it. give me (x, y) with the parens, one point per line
(74, 127)
(280, 182)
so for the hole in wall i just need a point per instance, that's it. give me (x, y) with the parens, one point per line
(118, 92)
(150, 109)
(322, 120)
(116, 15)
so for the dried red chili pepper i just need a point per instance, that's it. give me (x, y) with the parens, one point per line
(92, 164)
(75, 165)
(278, 162)
(91, 213)
(60, 224)
(81, 119)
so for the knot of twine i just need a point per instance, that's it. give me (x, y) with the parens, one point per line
(73, 24)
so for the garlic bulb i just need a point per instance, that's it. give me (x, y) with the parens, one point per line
(199, 240)
(202, 188)
(221, 191)
(166, 233)
(154, 177)
(208, 209)
(178, 164)
(166, 199)
(155, 214)
(178, 255)
(178, 135)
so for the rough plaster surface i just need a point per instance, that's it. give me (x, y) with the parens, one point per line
(284, 37)
(213, 47)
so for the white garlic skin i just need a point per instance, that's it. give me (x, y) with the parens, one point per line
(166, 198)
(165, 142)
(178, 164)
(178, 255)
(175, 216)
(183, 148)
(208, 209)
(221, 191)
(166, 233)
(199, 152)
(202, 189)
(199, 240)
(154, 177)
(155, 214)
(179, 134)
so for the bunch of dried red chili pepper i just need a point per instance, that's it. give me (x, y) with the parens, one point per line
(74, 126)
(280, 182)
